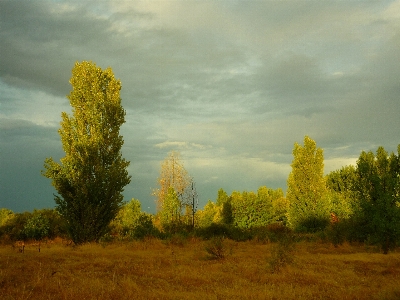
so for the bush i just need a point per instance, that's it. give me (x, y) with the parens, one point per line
(212, 231)
(36, 227)
(337, 233)
(312, 224)
(57, 224)
(14, 226)
(215, 247)
(145, 228)
(223, 230)
(282, 253)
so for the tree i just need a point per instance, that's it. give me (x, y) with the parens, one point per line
(207, 215)
(132, 222)
(37, 227)
(91, 177)
(378, 188)
(306, 193)
(5, 215)
(259, 209)
(13, 228)
(128, 217)
(170, 214)
(340, 185)
(173, 174)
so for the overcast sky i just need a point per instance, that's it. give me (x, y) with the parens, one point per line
(231, 85)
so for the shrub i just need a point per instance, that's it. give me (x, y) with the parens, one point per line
(282, 253)
(145, 228)
(14, 226)
(312, 224)
(223, 230)
(36, 227)
(212, 231)
(337, 232)
(215, 247)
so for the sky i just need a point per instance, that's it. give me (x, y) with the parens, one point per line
(230, 85)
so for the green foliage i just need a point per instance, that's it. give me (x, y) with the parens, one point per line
(224, 211)
(222, 197)
(40, 224)
(5, 215)
(131, 222)
(341, 192)
(13, 228)
(227, 213)
(245, 210)
(206, 216)
(378, 188)
(312, 223)
(224, 230)
(57, 224)
(92, 175)
(170, 214)
(251, 210)
(307, 194)
(127, 218)
(145, 227)
(338, 232)
(37, 227)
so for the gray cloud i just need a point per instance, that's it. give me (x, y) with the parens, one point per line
(230, 84)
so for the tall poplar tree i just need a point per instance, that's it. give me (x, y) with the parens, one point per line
(306, 193)
(378, 189)
(91, 177)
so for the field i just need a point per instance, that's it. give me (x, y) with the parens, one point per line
(154, 269)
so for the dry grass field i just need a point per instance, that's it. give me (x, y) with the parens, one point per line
(154, 269)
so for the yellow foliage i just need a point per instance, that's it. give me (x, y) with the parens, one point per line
(172, 174)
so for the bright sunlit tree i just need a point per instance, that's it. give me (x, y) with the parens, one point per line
(91, 177)
(307, 193)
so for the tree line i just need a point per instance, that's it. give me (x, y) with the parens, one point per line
(355, 203)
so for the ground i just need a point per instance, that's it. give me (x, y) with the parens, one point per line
(182, 269)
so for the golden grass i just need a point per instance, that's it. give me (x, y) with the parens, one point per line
(153, 269)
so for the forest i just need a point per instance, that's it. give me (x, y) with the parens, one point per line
(322, 239)
(353, 204)
(358, 203)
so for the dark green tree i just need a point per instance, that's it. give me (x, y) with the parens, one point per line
(225, 207)
(306, 193)
(340, 185)
(378, 187)
(91, 177)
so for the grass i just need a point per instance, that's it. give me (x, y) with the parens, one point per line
(152, 269)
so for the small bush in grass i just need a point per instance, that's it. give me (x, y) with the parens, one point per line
(282, 253)
(216, 248)
(336, 233)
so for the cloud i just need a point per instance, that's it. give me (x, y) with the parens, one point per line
(181, 145)
(231, 85)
